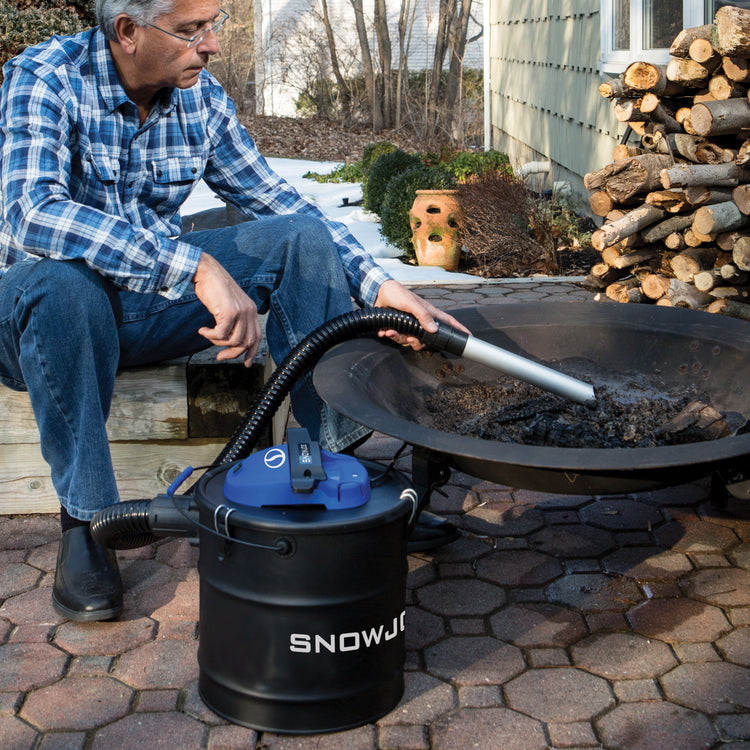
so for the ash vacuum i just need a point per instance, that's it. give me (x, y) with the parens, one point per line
(302, 558)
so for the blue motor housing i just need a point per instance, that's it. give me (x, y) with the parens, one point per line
(299, 474)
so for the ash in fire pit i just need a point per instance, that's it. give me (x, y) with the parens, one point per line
(629, 412)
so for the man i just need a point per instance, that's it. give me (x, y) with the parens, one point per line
(102, 137)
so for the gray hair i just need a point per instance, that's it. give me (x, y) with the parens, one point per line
(141, 11)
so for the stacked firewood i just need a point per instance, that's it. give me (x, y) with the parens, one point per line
(676, 202)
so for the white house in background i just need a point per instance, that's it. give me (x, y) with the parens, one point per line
(290, 37)
(545, 61)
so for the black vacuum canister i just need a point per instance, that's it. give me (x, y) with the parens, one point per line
(302, 589)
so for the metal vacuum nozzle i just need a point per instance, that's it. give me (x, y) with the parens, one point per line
(451, 340)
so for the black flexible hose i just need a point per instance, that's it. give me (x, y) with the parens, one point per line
(137, 523)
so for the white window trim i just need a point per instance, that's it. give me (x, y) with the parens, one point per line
(613, 61)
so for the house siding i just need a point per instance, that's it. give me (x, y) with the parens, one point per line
(544, 102)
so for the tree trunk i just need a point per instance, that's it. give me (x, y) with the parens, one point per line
(345, 92)
(373, 95)
(380, 21)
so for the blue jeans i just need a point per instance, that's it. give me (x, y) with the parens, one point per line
(65, 330)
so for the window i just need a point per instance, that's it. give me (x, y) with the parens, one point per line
(643, 29)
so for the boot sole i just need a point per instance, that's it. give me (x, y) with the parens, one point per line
(94, 615)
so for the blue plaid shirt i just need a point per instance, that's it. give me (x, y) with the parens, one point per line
(80, 178)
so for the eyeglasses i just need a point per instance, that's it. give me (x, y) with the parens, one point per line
(196, 39)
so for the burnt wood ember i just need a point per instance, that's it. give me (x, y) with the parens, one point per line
(631, 414)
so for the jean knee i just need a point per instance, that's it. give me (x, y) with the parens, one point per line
(68, 295)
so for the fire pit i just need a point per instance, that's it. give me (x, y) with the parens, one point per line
(387, 388)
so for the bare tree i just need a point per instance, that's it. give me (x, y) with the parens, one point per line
(373, 91)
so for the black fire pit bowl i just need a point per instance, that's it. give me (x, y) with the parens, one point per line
(385, 388)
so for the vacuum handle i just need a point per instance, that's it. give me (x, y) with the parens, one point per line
(457, 342)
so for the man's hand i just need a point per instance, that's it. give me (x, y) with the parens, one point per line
(395, 295)
(237, 327)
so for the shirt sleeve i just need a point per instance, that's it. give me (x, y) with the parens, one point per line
(239, 174)
(41, 217)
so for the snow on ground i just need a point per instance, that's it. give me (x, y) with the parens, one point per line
(332, 199)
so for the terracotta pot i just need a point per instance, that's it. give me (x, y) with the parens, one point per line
(435, 221)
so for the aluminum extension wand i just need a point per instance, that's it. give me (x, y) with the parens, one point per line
(457, 342)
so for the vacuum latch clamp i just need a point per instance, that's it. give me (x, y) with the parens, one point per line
(305, 461)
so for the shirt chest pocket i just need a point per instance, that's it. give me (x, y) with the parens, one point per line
(103, 167)
(176, 170)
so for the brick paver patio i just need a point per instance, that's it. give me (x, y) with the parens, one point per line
(555, 622)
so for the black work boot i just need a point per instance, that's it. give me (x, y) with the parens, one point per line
(87, 579)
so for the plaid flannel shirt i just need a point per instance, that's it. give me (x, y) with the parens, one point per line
(80, 178)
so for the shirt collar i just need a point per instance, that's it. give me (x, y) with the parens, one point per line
(105, 72)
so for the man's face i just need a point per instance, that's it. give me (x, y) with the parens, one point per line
(165, 61)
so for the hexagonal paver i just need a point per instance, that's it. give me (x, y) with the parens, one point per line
(161, 664)
(105, 637)
(77, 703)
(741, 555)
(27, 532)
(425, 698)
(538, 625)
(519, 568)
(725, 587)
(572, 540)
(713, 688)
(172, 601)
(559, 694)
(488, 728)
(735, 646)
(422, 628)
(621, 514)
(15, 578)
(25, 666)
(480, 660)
(33, 607)
(165, 730)
(456, 597)
(677, 620)
(696, 536)
(16, 734)
(595, 592)
(502, 519)
(648, 563)
(645, 726)
(623, 656)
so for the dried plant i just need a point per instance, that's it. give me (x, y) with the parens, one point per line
(505, 231)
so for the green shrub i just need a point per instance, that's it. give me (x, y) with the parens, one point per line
(400, 195)
(467, 164)
(372, 151)
(344, 173)
(383, 170)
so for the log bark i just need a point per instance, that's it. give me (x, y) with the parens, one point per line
(720, 118)
(612, 88)
(629, 177)
(682, 294)
(731, 308)
(628, 110)
(703, 195)
(731, 33)
(680, 47)
(614, 256)
(628, 225)
(628, 290)
(720, 217)
(664, 228)
(727, 174)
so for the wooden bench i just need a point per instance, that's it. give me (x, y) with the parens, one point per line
(164, 418)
